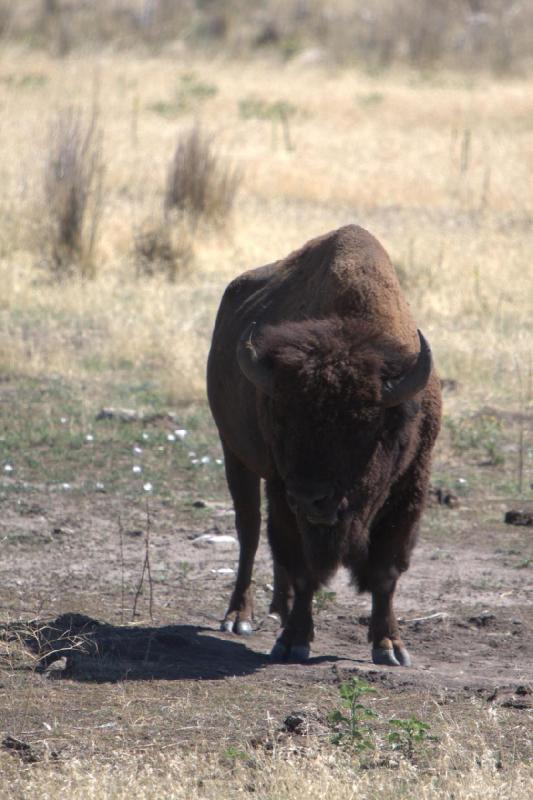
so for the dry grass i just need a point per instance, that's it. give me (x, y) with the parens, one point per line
(439, 171)
(283, 777)
(285, 772)
(73, 176)
(164, 248)
(159, 739)
(198, 181)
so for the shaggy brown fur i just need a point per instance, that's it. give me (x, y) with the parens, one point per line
(346, 475)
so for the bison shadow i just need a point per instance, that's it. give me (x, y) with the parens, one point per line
(83, 649)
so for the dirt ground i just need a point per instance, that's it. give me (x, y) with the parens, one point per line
(86, 677)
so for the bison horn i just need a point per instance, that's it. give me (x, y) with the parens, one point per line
(413, 381)
(251, 366)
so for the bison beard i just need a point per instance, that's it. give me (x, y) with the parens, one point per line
(319, 384)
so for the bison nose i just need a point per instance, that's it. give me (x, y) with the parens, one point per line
(311, 499)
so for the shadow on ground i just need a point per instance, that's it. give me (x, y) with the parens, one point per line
(80, 648)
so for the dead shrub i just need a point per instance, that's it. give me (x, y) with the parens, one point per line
(199, 183)
(73, 192)
(163, 249)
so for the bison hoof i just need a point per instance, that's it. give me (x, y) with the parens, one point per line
(391, 657)
(295, 653)
(241, 627)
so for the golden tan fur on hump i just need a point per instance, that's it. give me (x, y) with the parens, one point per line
(349, 273)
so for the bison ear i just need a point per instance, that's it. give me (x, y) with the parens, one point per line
(251, 365)
(413, 381)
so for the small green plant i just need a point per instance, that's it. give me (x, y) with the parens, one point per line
(323, 599)
(407, 734)
(233, 754)
(190, 93)
(351, 726)
(184, 568)
(479, 432)
(371, 98)
(192, 90)
(278, 112)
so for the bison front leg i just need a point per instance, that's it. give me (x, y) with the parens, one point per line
(387, 645)
(291, 581)
(283, 594)
(244, 489)
(392, 537)
(294, 642)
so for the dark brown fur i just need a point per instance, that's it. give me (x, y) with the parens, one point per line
(333, 328)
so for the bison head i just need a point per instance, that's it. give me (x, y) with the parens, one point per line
(337, 400)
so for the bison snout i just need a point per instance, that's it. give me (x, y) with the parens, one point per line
(319, 505)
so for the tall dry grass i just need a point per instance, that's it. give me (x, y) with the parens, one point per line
(199, 183)
(73, 191)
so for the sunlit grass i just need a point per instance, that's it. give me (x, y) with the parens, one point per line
(438, 170)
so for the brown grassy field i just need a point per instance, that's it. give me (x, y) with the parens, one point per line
(439, 166)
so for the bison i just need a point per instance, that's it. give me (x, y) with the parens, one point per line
(320, 384)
